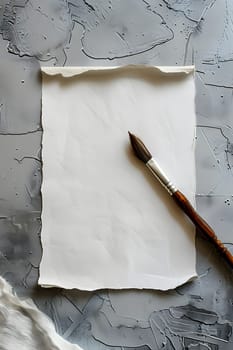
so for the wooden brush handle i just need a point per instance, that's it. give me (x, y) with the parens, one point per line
(202, 225)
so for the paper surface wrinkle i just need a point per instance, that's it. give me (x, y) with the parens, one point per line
(106, 222)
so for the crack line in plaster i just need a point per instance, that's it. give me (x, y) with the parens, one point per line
(40, 130)
(195, 29)
(220, 86)
(20, 160)
(74, 305)
(181, 11)
(84, 26)
(227, 151)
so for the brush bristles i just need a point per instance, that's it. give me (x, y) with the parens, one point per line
(139, 148)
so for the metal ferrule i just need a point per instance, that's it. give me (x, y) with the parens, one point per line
(161, 176)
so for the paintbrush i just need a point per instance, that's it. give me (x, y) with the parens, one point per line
(145, 156)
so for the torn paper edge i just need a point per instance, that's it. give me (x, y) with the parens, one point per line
(67, 72)
(42, 323)
(174, 283)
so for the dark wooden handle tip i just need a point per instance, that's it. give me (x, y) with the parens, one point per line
(202, 225)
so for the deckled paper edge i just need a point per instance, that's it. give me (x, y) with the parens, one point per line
(41, 322)
(177, 283)
(67, 72)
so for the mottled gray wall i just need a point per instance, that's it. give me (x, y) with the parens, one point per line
(197, 315)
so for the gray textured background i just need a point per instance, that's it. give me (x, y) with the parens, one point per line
(198, 315)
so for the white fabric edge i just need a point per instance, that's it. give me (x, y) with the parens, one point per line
(42, 323)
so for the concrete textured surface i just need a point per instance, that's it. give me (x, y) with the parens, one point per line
(198, 315)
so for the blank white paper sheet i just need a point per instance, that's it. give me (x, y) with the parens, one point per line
(106, 222)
